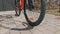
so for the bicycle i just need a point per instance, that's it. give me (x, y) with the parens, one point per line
(34, 15)
(21, 4)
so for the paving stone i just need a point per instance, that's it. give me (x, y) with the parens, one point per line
(49, 25)
(14, 32)
(58, 32)
(26, 32)
(3, 31)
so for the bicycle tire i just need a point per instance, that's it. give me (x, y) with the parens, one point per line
(41, 16)
(17, 8)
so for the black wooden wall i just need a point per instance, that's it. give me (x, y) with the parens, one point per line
(6, 5)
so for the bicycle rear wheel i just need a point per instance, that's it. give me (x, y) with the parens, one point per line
(17, 7)
(36, 15)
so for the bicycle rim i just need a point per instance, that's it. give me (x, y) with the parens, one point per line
(35, 16)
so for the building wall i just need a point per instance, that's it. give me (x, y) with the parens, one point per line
(6, 5)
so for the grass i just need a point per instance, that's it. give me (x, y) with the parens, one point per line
(54, 12)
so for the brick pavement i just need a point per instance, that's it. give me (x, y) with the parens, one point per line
(50, 25)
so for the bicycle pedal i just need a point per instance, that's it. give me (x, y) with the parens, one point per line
(16, 15)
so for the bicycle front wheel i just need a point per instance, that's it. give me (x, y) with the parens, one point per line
(35, 16)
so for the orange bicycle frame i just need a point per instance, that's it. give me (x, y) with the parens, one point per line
(21, 4)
